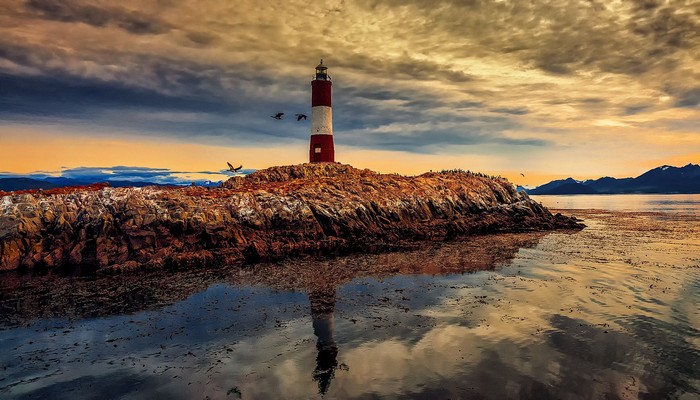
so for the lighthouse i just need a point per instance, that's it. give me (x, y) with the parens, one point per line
(321, 148)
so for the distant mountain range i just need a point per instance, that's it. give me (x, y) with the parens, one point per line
(664, 179)
(12, 184)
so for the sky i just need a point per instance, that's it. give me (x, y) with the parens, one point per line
(544, 89)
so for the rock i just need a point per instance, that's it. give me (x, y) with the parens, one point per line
(271, 214)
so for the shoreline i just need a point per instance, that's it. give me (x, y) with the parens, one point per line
(273, 214)
(35, 294)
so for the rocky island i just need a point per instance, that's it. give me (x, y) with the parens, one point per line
(279, 212)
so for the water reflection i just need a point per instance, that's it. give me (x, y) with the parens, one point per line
(610, 312)
(25, 298)
(322, 309)
(675, 203)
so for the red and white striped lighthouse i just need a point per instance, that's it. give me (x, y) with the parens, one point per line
(321, 149)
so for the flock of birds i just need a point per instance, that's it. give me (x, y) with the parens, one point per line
(279, 115)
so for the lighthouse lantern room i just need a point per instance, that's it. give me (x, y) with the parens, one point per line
(321, 149)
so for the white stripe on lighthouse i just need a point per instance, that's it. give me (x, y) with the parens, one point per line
(321, 120)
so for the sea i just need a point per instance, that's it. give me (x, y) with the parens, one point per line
(608, 312)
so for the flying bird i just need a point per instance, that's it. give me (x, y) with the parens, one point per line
(278, 115)
(300, 117)
(522, 174)
(232, 169)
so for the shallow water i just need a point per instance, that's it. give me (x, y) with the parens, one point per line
(608, 312)
(675, 203)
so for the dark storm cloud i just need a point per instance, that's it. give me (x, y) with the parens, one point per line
(467, 104)
(420, 122)
(513, 111)
(418, 133)
(592, 100)
(646, 4)
(425, 70)
(635, 109)
(203, 39)
(144, 83)
(351, 112)
(689, 98)
(71, 96)
(597, 39)
(433, 141)
(667, 27)
(137, 71)
(370, 93)
(407, 104)
(77, 11)
(565, 37)
(403, 67)
(30, 55)
(179, 101)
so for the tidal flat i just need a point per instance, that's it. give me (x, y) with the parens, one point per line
(607, 312)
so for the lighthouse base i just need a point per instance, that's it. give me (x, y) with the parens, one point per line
(321, 149)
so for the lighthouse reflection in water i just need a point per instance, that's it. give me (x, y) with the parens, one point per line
(322, 310)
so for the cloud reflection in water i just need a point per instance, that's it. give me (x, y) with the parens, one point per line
(605, 312)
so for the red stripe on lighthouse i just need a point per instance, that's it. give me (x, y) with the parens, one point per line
(320, 93)
(321, 149)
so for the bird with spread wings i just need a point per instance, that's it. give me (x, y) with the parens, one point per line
(232, 169)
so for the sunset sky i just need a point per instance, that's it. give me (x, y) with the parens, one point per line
(175, 88)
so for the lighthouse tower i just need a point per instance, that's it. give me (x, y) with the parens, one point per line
(321, 149)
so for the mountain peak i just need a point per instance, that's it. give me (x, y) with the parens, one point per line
(663, 179)
(564, 186)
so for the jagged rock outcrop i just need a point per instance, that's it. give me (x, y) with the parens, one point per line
(270, 214)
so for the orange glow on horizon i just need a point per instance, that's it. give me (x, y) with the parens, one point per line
(52, 153)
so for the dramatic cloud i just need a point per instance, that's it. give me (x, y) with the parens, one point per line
(423, 77)
(73, 11)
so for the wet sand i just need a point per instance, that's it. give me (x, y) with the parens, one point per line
(607, 311)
